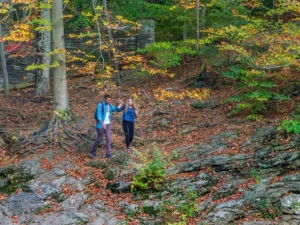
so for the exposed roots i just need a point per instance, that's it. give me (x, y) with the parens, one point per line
(57, 132)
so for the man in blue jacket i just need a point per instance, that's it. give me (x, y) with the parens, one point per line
(103, 126)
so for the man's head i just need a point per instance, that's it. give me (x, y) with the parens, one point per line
(107, 99)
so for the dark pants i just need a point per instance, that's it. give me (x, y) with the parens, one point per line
(128, 128)
(100, 133)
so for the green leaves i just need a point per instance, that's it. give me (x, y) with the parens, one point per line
(237, 98)
(151, 174)
(290, 126)
(258, 92)
(168, 54)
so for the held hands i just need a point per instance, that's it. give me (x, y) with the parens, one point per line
(119, 102)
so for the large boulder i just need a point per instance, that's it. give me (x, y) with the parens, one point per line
(290, 204)
(209, 104)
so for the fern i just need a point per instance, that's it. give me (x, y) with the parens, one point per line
(151, 174)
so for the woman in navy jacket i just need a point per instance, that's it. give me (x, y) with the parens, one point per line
(129, 114)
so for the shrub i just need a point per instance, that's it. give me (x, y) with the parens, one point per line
(290, 126)
(151, 174)
(258, 93)
(184, 206)
(166, 54)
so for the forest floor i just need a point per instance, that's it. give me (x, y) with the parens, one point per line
(166, 118)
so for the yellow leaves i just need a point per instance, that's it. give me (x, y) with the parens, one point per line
(199, 94)
(99, 8)
(45, 5)
(135, 96)
(54, 64)
(104, 47)
(68, 16)
(121, 19)
(89, 42)
(255, 72)
(165, 95)
(4, 8)
(20, 33)
(25, 2)
(154, 71)
(76, 59)
(186, 5)
(87, 68)
(82, 35)
(87, 14)
(236, 48)
(173, 7)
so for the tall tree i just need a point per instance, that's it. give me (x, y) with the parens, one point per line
(203, 74)
(107, 18)
(61, 102)
(185, 26)
(3, 65)
(42, 81)
(197, 28)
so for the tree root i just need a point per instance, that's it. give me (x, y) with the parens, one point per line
(56, 133)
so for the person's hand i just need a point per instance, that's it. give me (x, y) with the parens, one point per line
(119, 101)
(104, 127)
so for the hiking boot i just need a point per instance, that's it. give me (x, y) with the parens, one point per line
(94, 156)
(128, 150)
(110, 156)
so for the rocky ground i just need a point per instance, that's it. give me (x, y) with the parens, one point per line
(262, 182)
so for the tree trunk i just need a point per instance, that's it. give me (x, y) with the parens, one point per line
(3, 65)
(110, 37)
(42, 82)
(185, 24)
(61, 101)
(203, 20)
(197, 28)
(203, 73)
(111, 41)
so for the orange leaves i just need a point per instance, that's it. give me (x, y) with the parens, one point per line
(15, 219)
(76, 173)
(3, 197)
(3, 158)
(252, 4)
(25, 2)
(276, 179)
(68, 190)
(46, 165)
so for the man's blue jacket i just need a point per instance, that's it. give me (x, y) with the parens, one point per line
(101, 111)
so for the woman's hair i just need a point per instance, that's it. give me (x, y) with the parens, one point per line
(134, 106)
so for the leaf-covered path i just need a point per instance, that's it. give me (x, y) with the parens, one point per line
(68, 186)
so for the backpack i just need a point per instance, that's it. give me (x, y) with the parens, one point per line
(95, 116)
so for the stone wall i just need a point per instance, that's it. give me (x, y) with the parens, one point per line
(140, 39)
